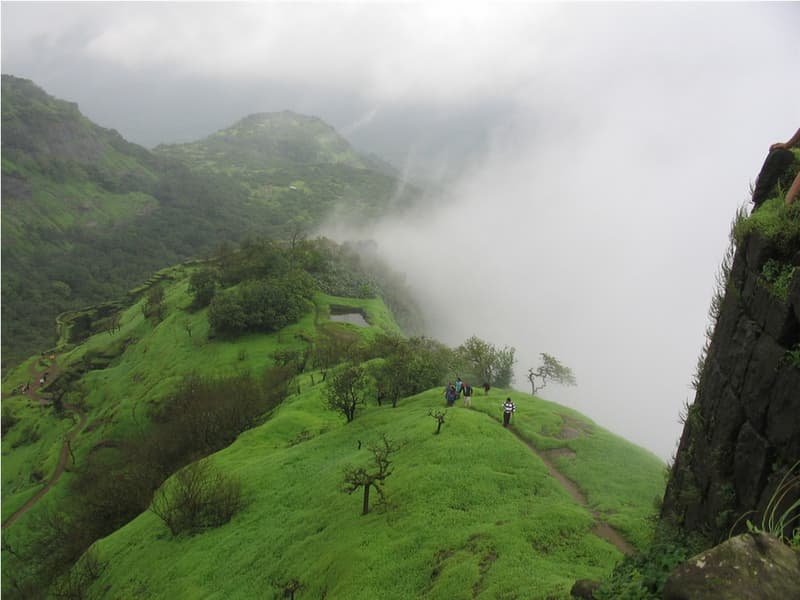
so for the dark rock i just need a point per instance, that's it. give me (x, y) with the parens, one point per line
(773, 315)
(794, 293)
(783, 417)
(728, 420)
(775, 165)
(734, 354)
(759, 379)
(759, 249)
(584, 588)
(745, 421)
(746, 567)
(750, 465)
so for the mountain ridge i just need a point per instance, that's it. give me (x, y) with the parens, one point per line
(87, 214)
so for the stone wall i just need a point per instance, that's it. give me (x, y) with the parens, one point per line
(742, 434)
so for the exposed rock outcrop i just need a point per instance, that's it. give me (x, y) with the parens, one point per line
(742, 435)
(746, 567)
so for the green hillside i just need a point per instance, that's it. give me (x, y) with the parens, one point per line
(297, 167)
(268, 140)
(471, 512)
(88, 215)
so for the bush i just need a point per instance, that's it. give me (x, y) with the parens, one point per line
(7, 421)
(260, 305)
(199, 496)
(75, 583)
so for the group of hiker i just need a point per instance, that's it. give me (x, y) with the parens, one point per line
(455, 390)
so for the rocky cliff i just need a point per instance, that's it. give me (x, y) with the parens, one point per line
(742, 434)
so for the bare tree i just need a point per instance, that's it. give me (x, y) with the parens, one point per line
(550, 370)
(357, 477)
(439, 415)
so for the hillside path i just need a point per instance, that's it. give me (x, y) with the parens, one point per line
(65, 448)
(601, 528)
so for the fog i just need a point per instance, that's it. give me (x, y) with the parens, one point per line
(592, 155)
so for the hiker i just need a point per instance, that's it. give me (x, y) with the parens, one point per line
(486, 387)
(450, 394)
(779, 159)
(459, 385)
(467, 389)
(508, 410)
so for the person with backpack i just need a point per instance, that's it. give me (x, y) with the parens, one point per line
(459, 386)
(450, 394)
(508, 410)
(467, 389)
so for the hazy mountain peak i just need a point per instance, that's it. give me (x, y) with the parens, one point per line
(271, 139)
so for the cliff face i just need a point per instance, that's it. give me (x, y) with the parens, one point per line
(742, 434)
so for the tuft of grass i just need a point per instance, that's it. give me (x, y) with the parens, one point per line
(777, 518)
(774, 220)
(777, 276)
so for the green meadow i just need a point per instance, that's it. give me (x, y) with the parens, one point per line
(469, 513)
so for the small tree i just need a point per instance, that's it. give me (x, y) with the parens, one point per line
(202, 286)
(356, 477)
(439, 415)
(154, 303)
(489, 364)
(550, 370)
(347, 387)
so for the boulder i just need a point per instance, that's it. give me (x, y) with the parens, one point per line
(746, 567)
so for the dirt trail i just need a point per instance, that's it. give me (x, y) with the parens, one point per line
(32, 392)
(600, 529)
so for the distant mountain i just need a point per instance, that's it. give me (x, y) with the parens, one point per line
(299, 167)
(268, 140)
(87, 215)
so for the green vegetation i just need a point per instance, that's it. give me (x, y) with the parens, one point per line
(778, 276)
(774, 219)
(459, 517)
(205, 460)
(87, 215)
(777, 518)
(485, 363)
(642, 577)
(469, 512)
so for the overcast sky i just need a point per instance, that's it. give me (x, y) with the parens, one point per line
(608, 146)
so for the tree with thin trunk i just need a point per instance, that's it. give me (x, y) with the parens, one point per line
(439, 415)
(550, 370)
(366, 477)
(347, 387)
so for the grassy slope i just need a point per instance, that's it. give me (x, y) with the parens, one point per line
(473, 505)
(150, 362)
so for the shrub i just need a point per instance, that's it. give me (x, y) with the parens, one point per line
(199, 496)
(75, 583)
(777, 276)
(7, 421)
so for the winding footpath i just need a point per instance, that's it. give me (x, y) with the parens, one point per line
(601, 528)
(32, 392)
